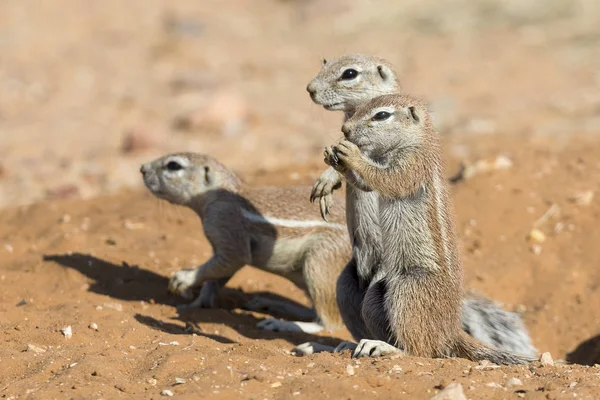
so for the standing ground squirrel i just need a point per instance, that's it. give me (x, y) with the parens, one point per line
(343, 84)
(270, 228)
(413, 300)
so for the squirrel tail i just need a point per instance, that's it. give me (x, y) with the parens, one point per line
(467, 347)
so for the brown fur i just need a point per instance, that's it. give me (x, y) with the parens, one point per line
(419, 281)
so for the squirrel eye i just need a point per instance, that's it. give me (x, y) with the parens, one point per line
(173, 166)
(349, 74)
(381, 116)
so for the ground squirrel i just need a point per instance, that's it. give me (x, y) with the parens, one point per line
(413, 301)
(271, 228)
(343, 84)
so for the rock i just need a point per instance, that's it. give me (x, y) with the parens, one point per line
(152, 381)
(35, 349)
(546, 360)
(486, 365)
(180, 381)
(167, 393)
(396, 369)
(67, 331)
(114, 306)
(536, 236)
(469, 170)
(93, 326)
(453, 391)
(350, 370)
(583, 198)
(276, 384)
(494, 385)
(512, 382)
(536, 249)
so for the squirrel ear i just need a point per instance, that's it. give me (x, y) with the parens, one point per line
(324, 61)
(385, 72)
(207, 177)
(411, 112)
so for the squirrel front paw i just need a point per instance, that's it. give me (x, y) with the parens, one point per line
(323, 189)
(347, 153)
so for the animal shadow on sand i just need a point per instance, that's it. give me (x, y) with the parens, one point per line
(132, 283)
(587, 352)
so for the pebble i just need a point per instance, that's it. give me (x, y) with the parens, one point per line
(114, 306)
(35, 349)
(546, 360)
(536, 249)
(469, 170)
(152, 381)
(166, 392)
(514, 382)
(486, 365)
(94, 326)
(536, 236)
(453, 391)
(583, 198)
(350, 370)
(396, 369)
(67, 331)
(276, 384)
(180, 381)
(494, 385)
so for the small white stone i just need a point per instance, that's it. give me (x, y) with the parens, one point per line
(494, 385)
(536, 249)
(180, 381)
(35, 349)
(67, 331)
(350, 370)
(94, 326)
(152, 381)
(166, 392)
(276, 384)
(546, 360)
(396, 369)
(114, 306)
(514, 382)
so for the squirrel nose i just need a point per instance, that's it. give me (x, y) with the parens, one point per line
(311, 89)
(143, 169)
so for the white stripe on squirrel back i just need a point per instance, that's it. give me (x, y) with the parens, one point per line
(290, 223)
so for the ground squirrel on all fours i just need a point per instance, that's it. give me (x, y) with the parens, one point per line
(343, 84)
(271, 228)
(413, 299)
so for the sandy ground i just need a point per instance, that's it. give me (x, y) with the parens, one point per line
(89, 91)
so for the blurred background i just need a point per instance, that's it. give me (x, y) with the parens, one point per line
(89, 90)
